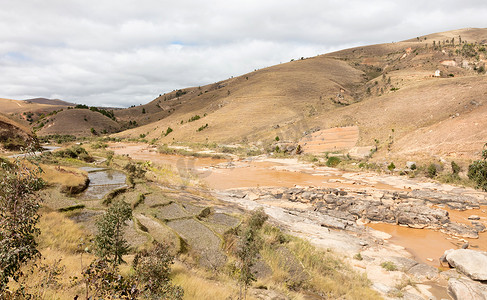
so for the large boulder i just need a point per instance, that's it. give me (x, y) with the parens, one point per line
(466, 289)
(469, 262)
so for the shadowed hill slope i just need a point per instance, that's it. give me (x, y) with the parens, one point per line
(14, 136)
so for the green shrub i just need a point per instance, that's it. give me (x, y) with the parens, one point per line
(455, 168)
(389, 266)
(180, 93)
(431, 171)
(99, 145)
(333, 161)
(152, 269)
(477, 172)
(76, 151)
(18, 221)
(194, 118)
(391, 166)
(168, 131)
(110, 241)
(203, 127)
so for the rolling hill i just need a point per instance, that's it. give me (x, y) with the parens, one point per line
(389, 91)
(425, 96)
(77, 122)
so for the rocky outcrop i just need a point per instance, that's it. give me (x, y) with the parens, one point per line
(466, 289)
(403, 208)
(469, 262)
(418, 271)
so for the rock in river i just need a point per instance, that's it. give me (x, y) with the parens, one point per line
(469, 262)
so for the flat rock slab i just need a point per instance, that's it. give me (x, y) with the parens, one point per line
(469, 262)
(202, 240)
(221, 223)
(156, 199)
(422, 272)
(160, 232)
(466, 289)
(172, 211)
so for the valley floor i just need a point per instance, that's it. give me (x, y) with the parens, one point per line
(372, 219)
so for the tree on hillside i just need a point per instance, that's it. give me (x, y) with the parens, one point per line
(249, 244)
(18, 219)
(109, 242)
(152, 269)
(477, 171)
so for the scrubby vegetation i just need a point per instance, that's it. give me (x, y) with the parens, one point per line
(333, 161)
(18, 222)
(107, 113)
(75, 151)
(477, 171)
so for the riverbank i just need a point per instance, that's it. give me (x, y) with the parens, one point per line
(434, 217)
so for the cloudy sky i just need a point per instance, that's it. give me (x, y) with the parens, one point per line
(126, 52)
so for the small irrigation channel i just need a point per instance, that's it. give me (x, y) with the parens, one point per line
(102, 182)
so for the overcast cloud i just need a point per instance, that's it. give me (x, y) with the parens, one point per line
(126, 52)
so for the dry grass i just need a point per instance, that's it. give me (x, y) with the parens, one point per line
(60, 233)
(58, 244)
(78, 122)
(197, 286)
(330, 275)
(64, 176)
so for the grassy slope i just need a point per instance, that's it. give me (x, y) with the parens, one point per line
(12, 134)
(299, 95)
(10, 106)
(250, 107)
(77, 122)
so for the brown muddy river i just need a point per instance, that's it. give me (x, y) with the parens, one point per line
(424, 244)
(427, 245)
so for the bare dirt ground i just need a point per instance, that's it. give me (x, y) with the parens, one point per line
(329, 140)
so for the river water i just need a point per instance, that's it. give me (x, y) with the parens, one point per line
(102, 182)
(425, 245)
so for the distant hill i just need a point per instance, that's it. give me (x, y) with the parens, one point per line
(49, 102)
(26, 112)
(388, 91)
(77, 122)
